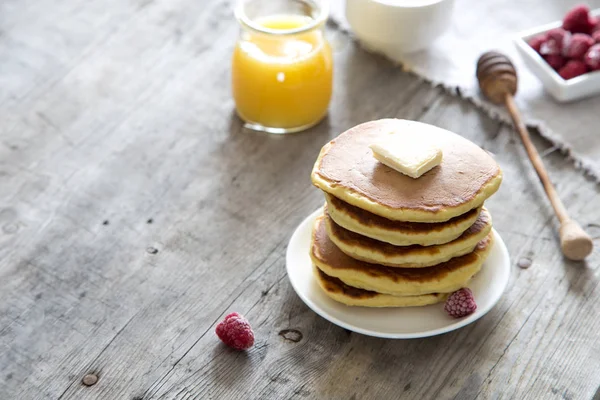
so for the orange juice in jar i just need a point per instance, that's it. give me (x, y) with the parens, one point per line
(282, 66)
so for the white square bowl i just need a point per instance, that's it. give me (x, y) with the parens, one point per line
(562, 90)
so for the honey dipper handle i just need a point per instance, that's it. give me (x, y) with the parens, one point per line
(575, 243)
(557, 204)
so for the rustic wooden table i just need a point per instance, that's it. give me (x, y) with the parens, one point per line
(135, 212)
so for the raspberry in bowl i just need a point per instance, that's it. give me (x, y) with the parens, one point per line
(565, 55)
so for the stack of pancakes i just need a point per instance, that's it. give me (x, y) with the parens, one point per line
(388, 240)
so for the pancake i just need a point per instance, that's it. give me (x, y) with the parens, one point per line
(442, 278)
(414, 256)
(340, 292)
(347, 169)
(399, 233)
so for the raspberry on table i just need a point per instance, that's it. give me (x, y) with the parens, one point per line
(235, 331)
(537, 41)
(578, 45)
(556, 61)
(556, 41)
(592, 57)
(572, 69)
(578, 20)
(460, 303)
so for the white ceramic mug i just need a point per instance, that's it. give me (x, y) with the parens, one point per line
(399, 26)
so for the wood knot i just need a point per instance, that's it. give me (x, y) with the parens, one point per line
(152, 250)
(10, 229)
(524, 262)
(497, 76)
(292, 335)
(90, 380)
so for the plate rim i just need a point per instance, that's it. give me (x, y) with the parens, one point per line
(433, 332)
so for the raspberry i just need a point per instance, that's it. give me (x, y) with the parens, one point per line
(235, 331)
(556, 41)
(557, 34)
(572, 69)
(592, 57)
(596, 26)
(556, 61)
(578, 45)
(537, 41)
(460, 303)
(596, 36)
(578, 20)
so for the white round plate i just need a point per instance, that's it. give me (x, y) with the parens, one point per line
(395, 323)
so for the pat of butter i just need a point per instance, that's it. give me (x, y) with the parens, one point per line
(407, 155)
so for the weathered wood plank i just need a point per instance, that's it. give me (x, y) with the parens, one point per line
(131, 121)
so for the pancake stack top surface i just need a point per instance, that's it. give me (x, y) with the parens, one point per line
(386, 239)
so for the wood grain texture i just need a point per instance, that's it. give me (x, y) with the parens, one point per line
(135, 212)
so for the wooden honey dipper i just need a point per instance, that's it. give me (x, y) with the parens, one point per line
(498, 81)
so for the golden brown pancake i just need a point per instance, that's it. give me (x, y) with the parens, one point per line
(414, 256)
(347, 169)
(442, 278)
(339, 291)
(399, 233)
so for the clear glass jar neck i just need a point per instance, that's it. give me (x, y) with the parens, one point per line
(249, 12)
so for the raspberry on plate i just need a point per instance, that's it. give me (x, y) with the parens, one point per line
(235, 331)
(578, 20)
(592, 57)
(460, 303)
(572, 69)
(578, 45)
(556, 61)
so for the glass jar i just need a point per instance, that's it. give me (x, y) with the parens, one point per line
(282, 66)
